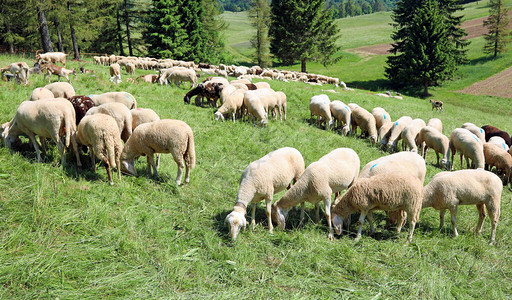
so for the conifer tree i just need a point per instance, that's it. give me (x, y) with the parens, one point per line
(302, 30)
(497, 23)
(260, 20)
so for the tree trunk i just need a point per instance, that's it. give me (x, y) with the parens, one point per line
(73, 36)
(425, 88)
(9, 33)
(59, 35)
(127, 23)
(43, 29)
(303, 65)
(119, 38)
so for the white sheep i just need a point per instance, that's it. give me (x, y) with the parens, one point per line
(130, 68)
(41, 93)
(479, 132)
(430, 137)
(388, 192)
(262, 179)
(468, 145)
(332, 173)
(163, 136)
(120, 113)
(362, 118)
(436, 123)
(448, 190)
(121, 97)
(100, 134)
(396, 132)
(270, 101)
(115, 73)
(181, 75)
(52, 57)
(498, 140)
(143, 115)
(319, 106)
(281, 105)
(46, 118)
(61, 89)
(410, 133)
(262, 85)
(232, 104)
(341, 114)
(381, 116)
(495, 156)
(384, 133)
(255, 107)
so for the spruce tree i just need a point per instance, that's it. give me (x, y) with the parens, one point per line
(426, 50)
(214, 26)
(302, 30)
(260, 20)
(497, 23)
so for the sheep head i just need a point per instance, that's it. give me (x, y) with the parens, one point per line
(128, 168)
(235, 220)
(218, 115)
(279, 216)
(337, 223)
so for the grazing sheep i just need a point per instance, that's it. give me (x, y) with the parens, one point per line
(53, 57)
(381, 116)
(130, 68)
(319, 106)
(495, 156)
(436, 123)
(46, 118)
(181, 75)
(143, 115)
(41, 93)
(430, 137)
(270, 101)
(262, 85)
(384, 133)
(254, 107)
(115, 73)
(410, 133)
(120, 113)
(19, 70)
(396, 132)
(498, 140)
(366, 121)
(121, 97)
(81, 104)
(233, 103)
(332, 173)
(491, 131)
(468, 145)
(211, 90)
(100, 134)
(341, 114)
(61, 89)
(163, 136)
(389, 192)
(479, 132)
(282, 105)
(448, 190)
(262, 179)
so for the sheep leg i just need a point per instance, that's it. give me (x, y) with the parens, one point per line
(157, 160)
(361, 223)
(327, 208)
(75, 149)
(370, 221)
(302, 207)
(151, 161)
(35, 144)
(253, 216)
(437, 156)
(468, 166)
(453, 212)
(91, 153)
(268, 202)
(43, 144)
(317, 212)
(461, 165)
(494, 215)
(62, 150)
(148, 167)
(413, 218)
(118, 161)
(109, 173)
(441, 218)
(187, 174)
(481, 216)
(181, 166)
(401, 220)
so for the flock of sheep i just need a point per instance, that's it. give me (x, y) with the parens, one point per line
(393, 183)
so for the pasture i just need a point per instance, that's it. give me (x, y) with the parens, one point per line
(66, 233)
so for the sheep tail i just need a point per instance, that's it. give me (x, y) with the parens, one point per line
(190, 153)
(110, 147)
(70, 128)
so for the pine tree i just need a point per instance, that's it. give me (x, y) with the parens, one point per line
(498, 36)
(425, 48)
(260, 20)
(302, 30)
(214, 26)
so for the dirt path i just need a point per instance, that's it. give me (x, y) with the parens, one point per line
(499, 85)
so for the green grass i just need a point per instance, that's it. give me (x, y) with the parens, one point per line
(66, 233)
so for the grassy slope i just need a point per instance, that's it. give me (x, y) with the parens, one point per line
(66, 233)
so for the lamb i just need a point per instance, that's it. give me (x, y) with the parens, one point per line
(319, 106)
(430, 137)
(130, 68)
(262, 179)
(497, 140)
(332, 173)
(491, 131)
(53, 57)
(115, 73)
(122, 97)
(366, 121)
(81, 104)
(410, 133)
(436, 123)
(381, 116)
(101, 135)
(341, 114)
(448, 190)
(41, 93)
(468, 145)
(232, 104)
(252, 103)
(46, 118)
(495, 156)
(61, 89)
(163, 136)
(120, 113)
(396, 132)
(143, 115)
(389, 192)
(281, 105)
(479, 132)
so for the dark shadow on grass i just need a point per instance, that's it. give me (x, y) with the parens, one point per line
(370, 85)
(481, 60)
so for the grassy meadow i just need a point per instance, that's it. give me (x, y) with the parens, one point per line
(65, 233)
